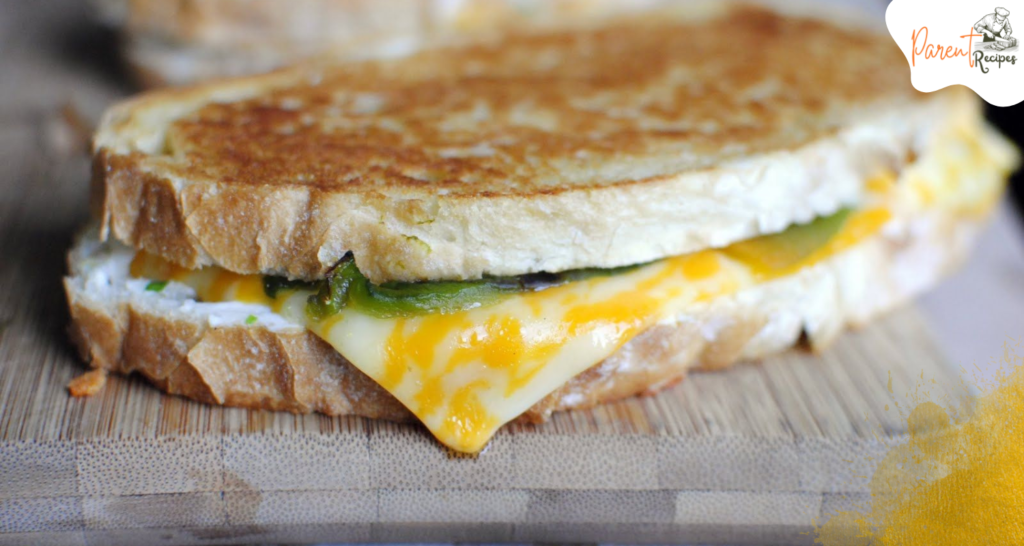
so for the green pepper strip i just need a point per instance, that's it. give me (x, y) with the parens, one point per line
(346, 286)
(779, 251)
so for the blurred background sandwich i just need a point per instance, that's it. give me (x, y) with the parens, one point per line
(181, 41)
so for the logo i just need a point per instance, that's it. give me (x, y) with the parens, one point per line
(949, 42)
(995, 33)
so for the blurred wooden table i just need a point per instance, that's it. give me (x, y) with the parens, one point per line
(982, 306)
(719, 458)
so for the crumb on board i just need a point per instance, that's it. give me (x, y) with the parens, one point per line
(88, 384)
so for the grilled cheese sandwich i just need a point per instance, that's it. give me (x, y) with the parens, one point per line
(466, 372)
(466, 338)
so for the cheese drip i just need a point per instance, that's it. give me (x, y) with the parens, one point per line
(464, 374)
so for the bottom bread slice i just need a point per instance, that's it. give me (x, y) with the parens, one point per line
(203, 352)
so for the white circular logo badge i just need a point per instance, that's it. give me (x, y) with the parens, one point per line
(951, 42)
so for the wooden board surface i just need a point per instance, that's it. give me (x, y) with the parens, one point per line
(753, 455)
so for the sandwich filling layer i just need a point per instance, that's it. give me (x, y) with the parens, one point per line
(465, 358)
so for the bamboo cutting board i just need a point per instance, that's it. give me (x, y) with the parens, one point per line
(752, 455)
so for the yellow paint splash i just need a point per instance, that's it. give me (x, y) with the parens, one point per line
(959, 479)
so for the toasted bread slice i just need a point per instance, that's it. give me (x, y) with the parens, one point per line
(211, 353)
(602, 147)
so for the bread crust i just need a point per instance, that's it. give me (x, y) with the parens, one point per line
(462, 163)
(253, 366)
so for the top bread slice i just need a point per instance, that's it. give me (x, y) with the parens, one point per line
(594, 147)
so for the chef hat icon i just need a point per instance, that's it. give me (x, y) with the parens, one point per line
(1002, 12)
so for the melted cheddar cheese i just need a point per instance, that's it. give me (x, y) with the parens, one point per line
(464, 374)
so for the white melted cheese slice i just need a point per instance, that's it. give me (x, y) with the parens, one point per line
(465, 374)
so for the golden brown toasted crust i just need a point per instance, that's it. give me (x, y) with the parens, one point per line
(595, 147)
(293, 370)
